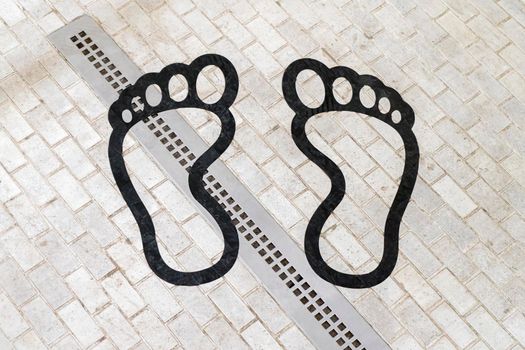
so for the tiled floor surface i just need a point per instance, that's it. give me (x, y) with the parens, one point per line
(73, 274)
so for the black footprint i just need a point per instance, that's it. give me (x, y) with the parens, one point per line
(122, 116)
(403, 125)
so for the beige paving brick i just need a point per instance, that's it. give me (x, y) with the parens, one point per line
(389, 291)
(11, 157)
(24, 64)
(393, 20)
(17, 286)
(33, 38)
(5, 70)
(417, 287)
(406, 341)
(379, 316)
(86, 100)
(293, 339)
(452, 290)
(61, 218)
(514, 83)
(416, 321)
(165, 48)
(487, 199)
(284, 177)
(455, 27)
(280, 207)
(205, 29)
(492, 143)
(188, 333)
(20, 248)
(318, 182)
(199, 305)
(454, 196)
(144, 168)
(27, 216)
(130, 263)
(490, 296)
(489, 330)
(170, 234)
(80, 323)
(154, 332)
(123, 294)
(57, 253)
(224, 335)
(297, 37)
(8, 39)
(249, 173)
(50, 23)
(67, 342)
(231, 306)
(512, 225)
(29, 341)
(137, 18)
(14, 122)
(203, 235)
(385, 41)
(420, 256)
(34, 184)
(36, 150)
(349, 248)
(453, 106)
(11, 12)
(9, 188)
(497, 239)
(43, 320)
(93, 219)
(516, 324)
(490, 264)
(241, 279)
(262, 60)
(268, 310)
(266, 34)
(427, 81)
(92, 256)
(513, 194)
(259, 338)
(4, 342)
(11, 322)
(512, 29)
(117, 327)
(452, 324)
(69, 188)
(285, 148)
(51, 287)
(159, 298)
(52, 96)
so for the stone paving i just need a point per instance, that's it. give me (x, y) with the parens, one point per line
(73, 273)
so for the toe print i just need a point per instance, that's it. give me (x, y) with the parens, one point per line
(136, 104)
(371, 97)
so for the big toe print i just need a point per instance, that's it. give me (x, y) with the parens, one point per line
(400, 116)
(122, 117)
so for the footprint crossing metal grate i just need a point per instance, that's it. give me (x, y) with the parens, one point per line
(317, 307)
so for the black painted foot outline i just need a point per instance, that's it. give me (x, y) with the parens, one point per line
(196, 171)
(338, 185)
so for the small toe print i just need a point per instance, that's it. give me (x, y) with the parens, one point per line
(154, 93)
(366, 95)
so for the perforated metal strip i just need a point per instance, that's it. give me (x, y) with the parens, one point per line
(317, 307)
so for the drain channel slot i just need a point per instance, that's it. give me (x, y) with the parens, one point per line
(324, 315)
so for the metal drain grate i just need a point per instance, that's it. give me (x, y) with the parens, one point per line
(317, 307)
